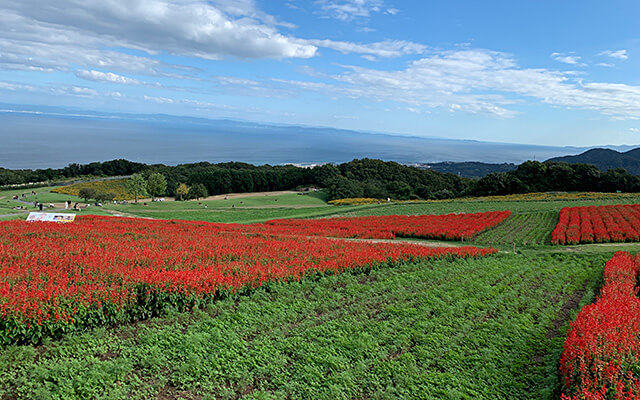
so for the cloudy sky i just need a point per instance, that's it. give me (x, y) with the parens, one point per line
(530, 71)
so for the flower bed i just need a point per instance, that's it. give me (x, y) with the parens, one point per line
(616, 223)
(601, 358)
(448, 227)
(107, 270)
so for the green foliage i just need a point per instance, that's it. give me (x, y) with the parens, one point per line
(197, 191)
(87, 193)
(524, 229)
(104, 196)
(471, 169)
(535, 176)
(136, 185)
(358, 178)
(606, 159)
(379, 179)
(108, 168)
(341, 187)
(182, 191)
(156, 185)
(481, 329)
(116, 186)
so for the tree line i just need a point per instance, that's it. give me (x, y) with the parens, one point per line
(107, 168)
(535, 176)
(357, 178)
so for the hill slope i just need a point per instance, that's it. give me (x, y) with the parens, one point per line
(606, 159)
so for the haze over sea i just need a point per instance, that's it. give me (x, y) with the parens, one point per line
(59, 137)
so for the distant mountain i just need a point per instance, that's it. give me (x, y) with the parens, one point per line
(469, 169)
(606, 159)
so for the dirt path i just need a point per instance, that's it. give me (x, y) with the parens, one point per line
(578, 248)
(127, 215)
(425, 243)
(12, 215)
(229, 196)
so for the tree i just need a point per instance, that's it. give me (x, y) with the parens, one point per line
(103, 197)
(198, 190)
(182, 191)
(157, 185)
(87, 193)
(136, 186)
(491, 185)
(343, 188)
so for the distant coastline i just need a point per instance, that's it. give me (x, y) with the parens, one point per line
(55, 138)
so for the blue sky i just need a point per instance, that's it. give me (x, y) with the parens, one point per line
(538, 72)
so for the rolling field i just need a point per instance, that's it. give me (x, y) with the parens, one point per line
(490, 328)
(485, 328)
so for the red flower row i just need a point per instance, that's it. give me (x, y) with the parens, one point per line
(616, 223)
(448, 227)
(601, 358)
(105, 270)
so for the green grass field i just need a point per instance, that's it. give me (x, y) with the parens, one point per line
(252, 209)
(524, 229)
(490, 328)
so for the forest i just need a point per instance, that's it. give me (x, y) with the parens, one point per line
(367, 178)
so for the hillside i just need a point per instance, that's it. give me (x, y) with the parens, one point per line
(606, 159)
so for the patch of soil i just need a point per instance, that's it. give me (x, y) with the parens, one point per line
(109, 355)
(171, 393)
(563, 315)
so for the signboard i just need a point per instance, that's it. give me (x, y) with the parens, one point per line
(50, 217)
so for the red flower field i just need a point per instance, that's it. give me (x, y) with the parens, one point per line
(616, 223)
(107, 270)
(448, 227)
(601, 358)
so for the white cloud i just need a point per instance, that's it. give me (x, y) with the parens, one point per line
(16, 87)
(618, 54)
(608, 65)
(634, 130)
(85, 37)
(99, 76)
(247, 8)
(348, 10)
(231, 80)
(159, 100)
(83, 91)
(480, 81)
(193, 28)
(384, 49)
(570, 59)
